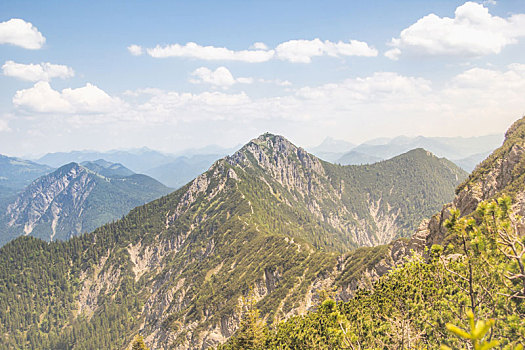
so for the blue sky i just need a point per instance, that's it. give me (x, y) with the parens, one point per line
(353, 70)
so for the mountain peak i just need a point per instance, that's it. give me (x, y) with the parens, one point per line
(272, 151)
(272, 140)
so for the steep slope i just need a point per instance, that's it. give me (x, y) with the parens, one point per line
(75, 199)
(270, 218)
(502, 173)
(414, 303)
(16, 173)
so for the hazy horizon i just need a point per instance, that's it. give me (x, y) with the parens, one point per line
(202, 149)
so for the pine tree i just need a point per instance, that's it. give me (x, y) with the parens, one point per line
(138, 344)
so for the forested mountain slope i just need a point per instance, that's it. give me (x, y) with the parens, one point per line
(74, 199)
(271, 218)
(459, 281)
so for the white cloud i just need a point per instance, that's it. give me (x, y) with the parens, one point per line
(379, 87)
(302, 51)
(37, 72)
(259, 46)
(194, 50)
(220, 77)
(277, 82)
(477, 101)
(393, 54)
(293, 51)
(245, 80)
(88, 99)
(135, 50)
(21, 33)
(472, 32)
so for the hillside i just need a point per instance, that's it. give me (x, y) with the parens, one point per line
(271, 218)
(458, 281)
(76, 198)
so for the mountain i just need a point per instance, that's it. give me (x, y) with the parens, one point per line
(138, 160)
(16, 173)
(172, 170)
(76, 198)
(469, 163)
(458, 282)
(271, 218)
(466, 150)
(331, 149)
(107, 169)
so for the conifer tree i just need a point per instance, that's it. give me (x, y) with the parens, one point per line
(138, 344)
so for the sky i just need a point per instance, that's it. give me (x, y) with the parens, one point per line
(172, 75)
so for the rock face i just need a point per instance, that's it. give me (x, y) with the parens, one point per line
(75, 199)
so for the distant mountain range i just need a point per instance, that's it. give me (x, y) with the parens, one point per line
(331, 149)
(74, 199)
(173, 170)
(16, 173)
(466, 152)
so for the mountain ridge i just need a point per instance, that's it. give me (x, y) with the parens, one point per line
(271, 218)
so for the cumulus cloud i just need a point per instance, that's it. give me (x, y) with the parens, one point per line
(379, 86)
(479, 100)
(295, 51)
(220, 77)
(18, 32)
(43, 98)
(472, 32)
(193, 50)
(302, 51)
(135, 50)
(37, 72)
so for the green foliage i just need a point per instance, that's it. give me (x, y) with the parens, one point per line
(477, 333)
(138, 344)
(252, 330)
(421, 304)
